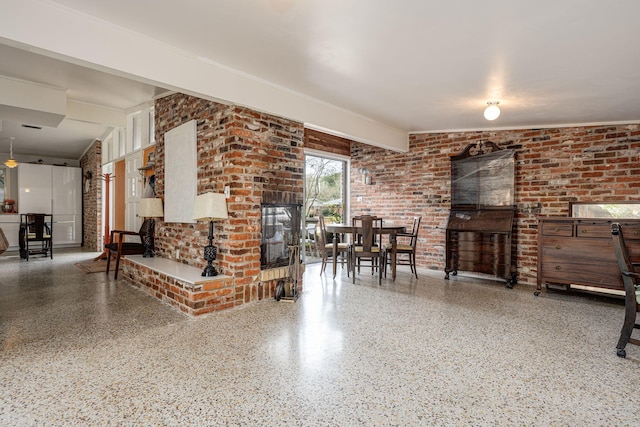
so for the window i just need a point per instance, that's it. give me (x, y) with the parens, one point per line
(3, 183)
(622, 209)
(325, 187)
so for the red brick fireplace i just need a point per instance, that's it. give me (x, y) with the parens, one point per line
(260, 157)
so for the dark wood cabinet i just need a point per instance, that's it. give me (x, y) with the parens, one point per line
(480, 241)
(479, 233)
(579, 251)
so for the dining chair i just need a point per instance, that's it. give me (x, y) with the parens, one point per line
(404, 247)
(311, 237)
(367, 244)
(631, 281)
(118, 247)
(36, 235)
(327, 248)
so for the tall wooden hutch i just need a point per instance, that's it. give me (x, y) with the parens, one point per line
(479, 233)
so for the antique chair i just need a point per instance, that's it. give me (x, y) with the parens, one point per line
(327, 248)
(35, 235)
(404, 248)
(367, 244)
(631, 280)
(118, 247)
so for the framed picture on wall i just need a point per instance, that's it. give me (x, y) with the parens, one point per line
(181, 173)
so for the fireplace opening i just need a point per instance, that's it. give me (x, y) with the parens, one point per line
(281, 228)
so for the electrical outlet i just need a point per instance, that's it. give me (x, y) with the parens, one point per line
(178, 253)
(227, 191)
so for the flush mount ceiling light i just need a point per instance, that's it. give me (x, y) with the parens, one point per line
(11, 163)
(492, 111)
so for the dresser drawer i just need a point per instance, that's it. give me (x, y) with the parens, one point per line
(595, 231)
(582, 274)
(603, 231)
(555, 229)
(630, 232)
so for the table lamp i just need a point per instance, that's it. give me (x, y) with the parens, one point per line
(210, 206)
(149, 208)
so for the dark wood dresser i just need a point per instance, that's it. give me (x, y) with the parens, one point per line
(479, 240)
(579, 251)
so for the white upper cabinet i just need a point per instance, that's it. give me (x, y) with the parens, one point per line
(67, 192)
(34, 188)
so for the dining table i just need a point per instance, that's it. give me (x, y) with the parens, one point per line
(387, 228)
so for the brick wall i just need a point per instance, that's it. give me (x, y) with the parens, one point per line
(92, 199)
(553, 167)
(259, 156)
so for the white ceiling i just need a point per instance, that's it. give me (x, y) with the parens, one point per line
(84, 85)
(412, 65)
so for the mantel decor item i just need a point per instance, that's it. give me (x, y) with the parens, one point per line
(150, 208)
(210, 207)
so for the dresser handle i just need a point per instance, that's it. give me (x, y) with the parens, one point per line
(556, 229)
(583, 231)
(558, 267)
(558, 247)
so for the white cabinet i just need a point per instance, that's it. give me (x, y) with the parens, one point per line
(67, 205)
(67, 192)
(34, 188)
(56, 190)
(67, 229)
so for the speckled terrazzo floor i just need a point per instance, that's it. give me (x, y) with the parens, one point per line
(81, 349)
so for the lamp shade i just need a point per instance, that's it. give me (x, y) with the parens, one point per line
(210, 206)
(11, 162)
(150, 208)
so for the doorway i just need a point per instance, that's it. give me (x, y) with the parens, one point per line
(326, 194)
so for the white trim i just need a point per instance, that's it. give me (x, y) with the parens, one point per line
(524, 127)
(326, 155)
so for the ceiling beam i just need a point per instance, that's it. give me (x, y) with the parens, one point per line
(95, 114)
(30, 103)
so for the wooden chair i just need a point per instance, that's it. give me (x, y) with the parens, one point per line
(404, 248)
(327, 248)
(118, 247)
(36, 235)
(367, 244)
(311, 237)
(631, 280)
